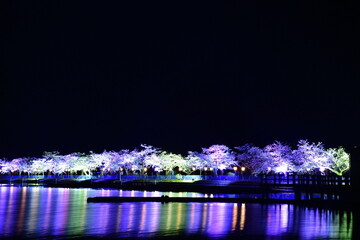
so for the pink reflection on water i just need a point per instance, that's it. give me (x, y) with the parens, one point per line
(131, 217)
(194, 218)
(143, 217)
(102, 222)
(204, 217)
(277, 219)
(62, 211)
(118, 217)
(47, 213)
(154, 216)
(34, 210)
(219, 219)
(9, 205)
(20, 222)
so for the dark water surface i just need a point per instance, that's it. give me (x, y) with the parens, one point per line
(63, 213)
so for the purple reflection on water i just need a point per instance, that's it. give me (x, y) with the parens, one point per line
(155, 211)
(37, 212)
(102, 222)
(219, 218)
(47, 205)
(62, 207)
(277, 219)
(193, 218)
(6, 209)
(22, 209)
(33, 211)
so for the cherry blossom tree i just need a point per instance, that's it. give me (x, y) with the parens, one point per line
(310, 156)
(5, 166)
(39, 166)
(100, 160)
(339, 160)
(112, 161)
(153, 161)
(20, 164)
(169, 161)
(244, 156)
(78, 162)
(196, 161)
(59, 165)
(219, 157)
(148, 157)
(280, 156)
(130, 160)
(147, 150)
(254, 158)
(141, 157)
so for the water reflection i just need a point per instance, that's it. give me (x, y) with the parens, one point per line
(37, 212)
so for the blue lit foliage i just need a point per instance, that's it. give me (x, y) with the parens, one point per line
(276, 157)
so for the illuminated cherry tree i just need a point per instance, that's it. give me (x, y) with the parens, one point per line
(6, 167)
(254, 158)
(280, 156)
(169, 161)
(147, 150)
(153, 161)
(100, 160)
(310, 157)
(196, 161)
(40, 166)
(219, 157)
(339, 160)
(58, 163)
(20, 165)
(111, 161)
(147, 156)
(83, 163)
(131, 160)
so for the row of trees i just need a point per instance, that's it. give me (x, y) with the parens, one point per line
(276, 157)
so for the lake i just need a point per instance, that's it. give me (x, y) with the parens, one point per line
(32, 212)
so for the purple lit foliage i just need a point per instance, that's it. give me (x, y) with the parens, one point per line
(59, 166)
(40, 166)
(254, 159)
(113, 161)
(218, 157)
(307, 158)
(279, 157)
(196, 161)
(310, 157)
(276, 157)
(10, 166)
(20, 165)
(153, 161)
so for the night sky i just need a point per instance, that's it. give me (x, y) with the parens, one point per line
(80, 76)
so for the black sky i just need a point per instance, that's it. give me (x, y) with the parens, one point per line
(93, 75)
